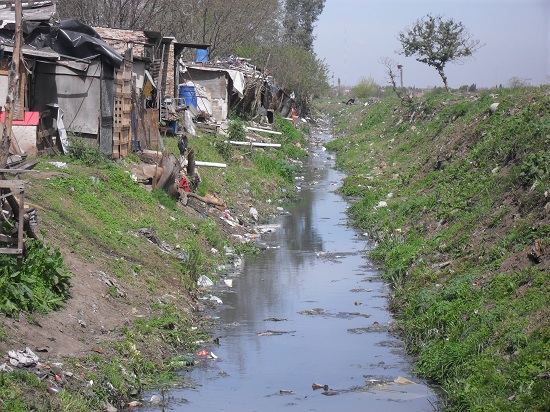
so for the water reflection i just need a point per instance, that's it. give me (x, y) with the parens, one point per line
(310, 311)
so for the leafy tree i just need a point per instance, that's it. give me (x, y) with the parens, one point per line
(299, 71)
(367, 87)
(298, 21)
(436, 42)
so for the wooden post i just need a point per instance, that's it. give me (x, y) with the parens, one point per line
(13, 89)
(190, 162)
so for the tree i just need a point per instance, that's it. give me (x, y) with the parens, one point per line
(517, 83)
(298, 21)
(299, 71)
(367, 87)
(436, 42)
(121, 14)
(391, 67)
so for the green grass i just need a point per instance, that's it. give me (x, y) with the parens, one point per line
(468, 189)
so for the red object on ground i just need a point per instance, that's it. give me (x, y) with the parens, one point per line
(184, 184)
(203, 353)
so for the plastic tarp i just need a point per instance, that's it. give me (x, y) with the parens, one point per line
(78, 40)
(69, 38)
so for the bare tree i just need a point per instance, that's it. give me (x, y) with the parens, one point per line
(124, 14)
(391, 65)
(225, 24)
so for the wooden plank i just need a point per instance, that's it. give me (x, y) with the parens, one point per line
(12, 184)
(10, 251)
(16, 171)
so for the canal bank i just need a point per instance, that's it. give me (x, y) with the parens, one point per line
(305, 323)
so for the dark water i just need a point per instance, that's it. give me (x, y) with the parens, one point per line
(311, 309)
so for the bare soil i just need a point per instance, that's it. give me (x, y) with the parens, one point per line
(92, 316)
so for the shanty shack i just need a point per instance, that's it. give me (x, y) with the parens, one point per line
(72, 79)
(219, 85)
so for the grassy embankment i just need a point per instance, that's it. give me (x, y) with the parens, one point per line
(92, 210)
(457, 200)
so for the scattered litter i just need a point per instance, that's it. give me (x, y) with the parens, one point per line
(330, 393)
(108, 407)
(228, 282)
(404, 381)
(286, 392)
(204, 281)
(4, 367)
(155, 400)
(316, 311)
(316, 386)
(203, 353)
(54, 390)
(212, 356)
(216, 299)
(22, 358)
(61, 165)
(274, 332)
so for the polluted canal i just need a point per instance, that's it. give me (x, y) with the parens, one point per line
(304, 325)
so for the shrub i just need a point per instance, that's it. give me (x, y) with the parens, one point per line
(236, 130)
(40, 284)
(366, 87)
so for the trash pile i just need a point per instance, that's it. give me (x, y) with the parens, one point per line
(57, 378)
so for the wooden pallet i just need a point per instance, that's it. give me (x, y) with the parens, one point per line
(122, 119)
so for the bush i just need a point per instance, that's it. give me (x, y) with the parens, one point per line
(87, 154)
(41, 283)
(236, 130)
(366, 87)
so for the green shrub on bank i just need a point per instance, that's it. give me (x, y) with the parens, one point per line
(40, 284)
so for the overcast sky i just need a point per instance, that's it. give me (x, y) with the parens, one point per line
(352, 36)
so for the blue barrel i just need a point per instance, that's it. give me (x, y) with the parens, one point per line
(188, 93)
(202, 55)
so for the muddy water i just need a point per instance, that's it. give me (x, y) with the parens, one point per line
(310, 309)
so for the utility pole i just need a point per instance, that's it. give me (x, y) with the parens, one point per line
(13, 86)
(400, 67)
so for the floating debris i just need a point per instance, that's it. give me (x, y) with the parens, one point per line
(404, 381)
(274, 332)
(316, 311)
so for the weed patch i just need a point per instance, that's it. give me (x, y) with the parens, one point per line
(468, 193)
